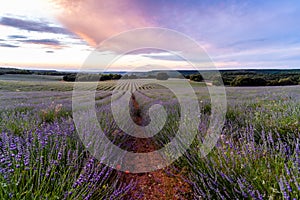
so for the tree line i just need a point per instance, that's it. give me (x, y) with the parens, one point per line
(229, 77)
(105, 77)
(253, 78)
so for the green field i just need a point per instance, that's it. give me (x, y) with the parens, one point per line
(257, 155)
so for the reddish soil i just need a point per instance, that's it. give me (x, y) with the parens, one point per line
(161, 184)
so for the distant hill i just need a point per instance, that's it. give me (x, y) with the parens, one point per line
(241, 77)
(4, 70)
(174, 73)
(237, 77)
(14, 71)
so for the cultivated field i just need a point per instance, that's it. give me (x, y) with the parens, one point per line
(256, 157)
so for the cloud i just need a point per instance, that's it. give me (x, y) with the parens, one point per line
(215, 25)
(17, 37)
(241, 43)
(31, 25)
(49, 43)
(169, 57)
(202, 20)
(100, 19)
(233, 33)
(8, 45)
(43, 41)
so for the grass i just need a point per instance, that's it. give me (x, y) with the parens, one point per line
(47, 161)
(21, 86)
(256, 157)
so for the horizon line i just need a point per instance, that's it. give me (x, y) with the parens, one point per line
(149, 70)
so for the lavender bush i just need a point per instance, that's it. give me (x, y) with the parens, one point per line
(257, 156)
(42, 157)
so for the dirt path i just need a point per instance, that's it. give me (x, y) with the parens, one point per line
(161, 184)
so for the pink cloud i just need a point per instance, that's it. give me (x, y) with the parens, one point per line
(97, 20)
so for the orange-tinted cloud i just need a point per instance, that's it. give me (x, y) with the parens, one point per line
(97, 20)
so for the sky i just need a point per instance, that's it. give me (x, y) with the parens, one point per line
(61, 34)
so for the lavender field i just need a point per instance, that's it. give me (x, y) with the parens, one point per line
(257, 155)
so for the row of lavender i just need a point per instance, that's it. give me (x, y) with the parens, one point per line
(41, 156)
(256, 157)
(258, 153)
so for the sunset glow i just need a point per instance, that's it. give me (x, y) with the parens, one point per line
(60, 34)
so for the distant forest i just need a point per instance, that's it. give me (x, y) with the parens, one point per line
(26, 71)
(272, 77)
(259, 77)
(252, 77)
